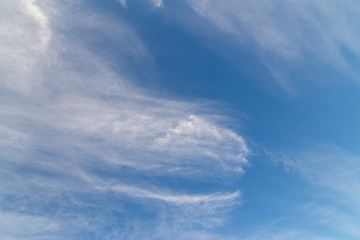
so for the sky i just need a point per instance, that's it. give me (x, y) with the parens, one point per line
(188, 119)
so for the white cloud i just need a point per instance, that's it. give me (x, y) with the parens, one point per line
(195, 137)
(35, 12)
(186, 210)
(335, 173)
(328, 166)
(20, 226)
(176, 199)
(284, 234)
(289, 35)
(158, 3)
(23, 40)
(70, 124)
(123, 3)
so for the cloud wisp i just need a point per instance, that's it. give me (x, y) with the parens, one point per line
(70, 124)
(176, 199)
(335, 173)
(289, 35)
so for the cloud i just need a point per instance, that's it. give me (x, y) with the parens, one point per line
(123, 3)
(335, 174)
(23, 40)
(277, 234)
(31, 226)
(290, 35)
(158, 3)
(186, 211)
(77, 133)
(176, 199)
(328, 166)
(195, 137)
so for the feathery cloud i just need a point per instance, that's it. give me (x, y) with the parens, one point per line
(70, 124)
(290, 34)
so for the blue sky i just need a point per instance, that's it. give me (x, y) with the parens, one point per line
(189, 119)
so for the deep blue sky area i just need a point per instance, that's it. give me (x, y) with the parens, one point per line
(190, 119)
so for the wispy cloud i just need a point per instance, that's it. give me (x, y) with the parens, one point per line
(72, 125)
(276, 234)
(158, 3)
(335, 174)
(290, 34)
(31, 226)
(329, 166)
(123, 3)
(173, 198)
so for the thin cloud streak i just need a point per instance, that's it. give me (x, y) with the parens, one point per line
(290, 34)
(335, 172)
